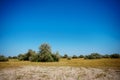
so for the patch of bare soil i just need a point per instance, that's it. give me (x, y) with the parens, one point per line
(58, 73)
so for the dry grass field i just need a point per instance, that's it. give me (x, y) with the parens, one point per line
(95, 63)
(75, 69)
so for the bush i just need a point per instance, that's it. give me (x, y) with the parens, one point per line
(115, 55)
(29, 54)
(81, 56)
(93, 56)
(34, 58)
(12, 57)
(55, 57)
(46, 57)
(3, 58)
(21, 57)
(106, 56)
(74, 57)
(45, 54)
(26, 56)
(65, 56)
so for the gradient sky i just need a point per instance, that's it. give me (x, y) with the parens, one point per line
(69, 26)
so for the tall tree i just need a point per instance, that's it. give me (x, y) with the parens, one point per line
(45, 53)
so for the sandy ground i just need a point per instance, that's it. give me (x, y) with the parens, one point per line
(58, 73)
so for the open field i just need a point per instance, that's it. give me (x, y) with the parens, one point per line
(75, 69)
(96, 63)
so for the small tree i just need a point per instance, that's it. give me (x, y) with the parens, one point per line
(81, 56)
(46, 57)
(34, 58)
(115, 55)
(21, 57)
(65, 56)
(56, 56)
(45, 54)
(93, 56)
(3, 58)
(29, 54)
(10, 57)
(106, 56)
(14, 57)
(74, 57)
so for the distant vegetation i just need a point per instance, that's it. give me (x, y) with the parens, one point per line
(45, 55)
(92, 56)
(3, 58)
(99, 56)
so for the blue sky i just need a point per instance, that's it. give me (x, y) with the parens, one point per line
(69, 26)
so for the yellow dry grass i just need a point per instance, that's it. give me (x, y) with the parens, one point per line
(96, 63)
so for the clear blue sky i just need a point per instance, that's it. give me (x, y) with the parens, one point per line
(69, 26)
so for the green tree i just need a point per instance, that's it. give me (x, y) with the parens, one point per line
(81, 56)
(34, 58)
(45, 54)
(3, 58)
(29, 54)
(115, 55)
(65, 56)
(21, 57)
(74, 56)
(93, 56)
(106, 56)
(56, 56)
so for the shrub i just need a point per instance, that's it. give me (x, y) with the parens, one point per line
(34, 58)
(55, 57)
(115, 55)
(93, 56)
(81, 56)
(106, 56)
(3, 58)
(21, 57)
(29, 54)
(74, 56)
(65, 56)
(14, 57)
(45, 54)
(47, 57)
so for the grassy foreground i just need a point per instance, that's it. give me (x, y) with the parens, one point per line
(96, 63)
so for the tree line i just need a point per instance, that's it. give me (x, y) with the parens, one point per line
(45, 55)
(93, 56)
